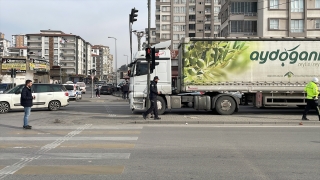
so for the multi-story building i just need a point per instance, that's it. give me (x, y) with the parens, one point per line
(153, 36)
(272, 18)
(4, 46)
(19, 40)
(69, 52)
(102, 61)
(191, 18)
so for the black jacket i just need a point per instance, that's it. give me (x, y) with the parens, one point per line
(26, 97)
(153, 90)
(125, 87)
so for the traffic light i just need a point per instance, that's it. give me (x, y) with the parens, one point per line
(133, 15)
(13, 73)
(148, 54)
(153, 60)
(89, 72)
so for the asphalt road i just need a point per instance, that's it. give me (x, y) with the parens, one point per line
(145, 152)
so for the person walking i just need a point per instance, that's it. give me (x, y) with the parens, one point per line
(125, 90)
(98, 92)
(312, 98)
(26, 101)
(153, 99)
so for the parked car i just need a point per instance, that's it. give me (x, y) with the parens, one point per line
(51, 96)
(74, 91)
(82, 86)
(6, 86)
(106, 90)
(113, 87)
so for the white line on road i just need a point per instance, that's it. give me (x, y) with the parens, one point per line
(57, 143)
(8, 170)
(70, 156)
(102, 127)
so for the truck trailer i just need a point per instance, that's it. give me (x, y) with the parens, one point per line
(271, 71)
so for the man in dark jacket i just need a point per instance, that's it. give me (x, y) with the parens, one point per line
(153, 99)
(125, 90)
(26, 101)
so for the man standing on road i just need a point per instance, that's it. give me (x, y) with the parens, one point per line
(312, 98)
(153, 99)
(26, 101)
(125, 89)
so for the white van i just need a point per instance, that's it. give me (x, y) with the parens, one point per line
(82, 86)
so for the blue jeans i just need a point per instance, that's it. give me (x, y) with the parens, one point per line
(27, 111)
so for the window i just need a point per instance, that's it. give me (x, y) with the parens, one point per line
(46, 51)
(297, 5)
(165, 27)
(208, 10)
(244, 26)
(17, 89)
(153, 33)
(55, 39)
(192, 27)
(216, 9)
(192, 1)
(55, 45)
(179, 10)
(297, 25)
(165, 36)
(58, 88)
(179, 27)
(243, 7)
(192, 9)
(178, 36)
(274, 23)
(165, 18)
(216, 27)
(317, 23)
(274, 4)
(175, 45)
(46, 38)
(56, 51)
(42, 88)
(55, 57)
(317, 4)
(192, 17)
(179, 19)
(165, 8)
(46, 45)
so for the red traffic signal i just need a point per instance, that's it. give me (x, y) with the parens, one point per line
(148, 54)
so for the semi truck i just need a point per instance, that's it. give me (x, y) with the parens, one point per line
(271, 71)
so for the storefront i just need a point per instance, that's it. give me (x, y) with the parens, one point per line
(41, 69)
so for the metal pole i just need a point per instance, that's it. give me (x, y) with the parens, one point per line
(60, 74)
(115, 42)
(130, 31)
(92, 84)
(148, 77)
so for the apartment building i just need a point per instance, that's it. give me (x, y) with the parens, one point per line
(153, 36)
(68, 51)
(19, 40)
(4, 45)
(191, 18)
(102, 61)
(271, 18)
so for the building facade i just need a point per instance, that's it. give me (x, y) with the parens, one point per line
(69, 52)
(102, 61)
(186, 18)
(271, 18)
(4, 46)
(19, 40)
(153, 37)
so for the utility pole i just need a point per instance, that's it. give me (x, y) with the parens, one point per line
(149, 34)
(139, 35)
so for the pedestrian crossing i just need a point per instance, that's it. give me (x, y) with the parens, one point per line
(67, 150)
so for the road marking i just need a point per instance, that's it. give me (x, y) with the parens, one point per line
(69, 145)
(8, 170)
(69, 156)
(70, 170)
(109, 111)
(92, 127)
(96, 132)
(67, 139)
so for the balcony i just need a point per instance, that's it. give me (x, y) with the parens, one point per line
(67, 47)
(67, 54)
(35, 47)
(34, 40)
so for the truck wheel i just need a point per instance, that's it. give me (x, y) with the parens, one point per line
(4, 107)
(161, 105)
(225, 105)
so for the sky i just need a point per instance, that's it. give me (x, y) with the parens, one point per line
(93, 20)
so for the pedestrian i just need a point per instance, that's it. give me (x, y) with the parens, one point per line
(312, 98)
(153, 99)
(26, 101)
(125, 90)
(98, 92)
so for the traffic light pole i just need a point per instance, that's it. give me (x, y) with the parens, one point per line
(148, 77)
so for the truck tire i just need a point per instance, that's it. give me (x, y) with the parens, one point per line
(161, 105)
(225, 105)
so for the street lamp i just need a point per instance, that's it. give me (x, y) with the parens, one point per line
(115, 44)
(127, 59)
